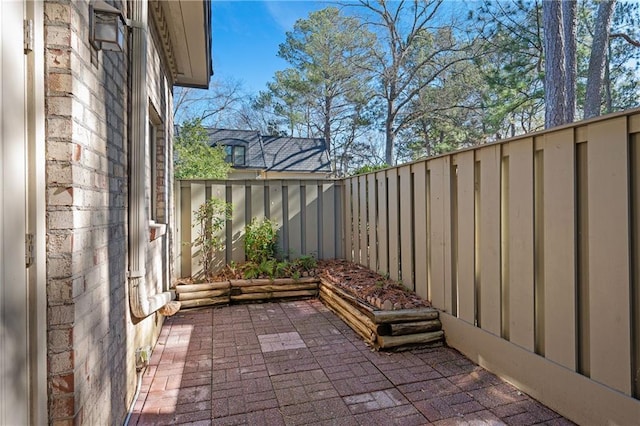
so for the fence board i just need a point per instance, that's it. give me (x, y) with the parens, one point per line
(437, 228)
(311, 219)
(521, 243)
(393, 217)
(257, 201)
(198, 196)
(382, 225)
(329, 222)
(238, 222)
(489, 235)
(447, 248)
(559, 212)
(609, 253)
(364, 231)
(185, 231)
(295, 220)
(406, 228)
(348, 220)
(355, 217)
(276, 207)
(420, 215)
(372, 220)
(466, 237)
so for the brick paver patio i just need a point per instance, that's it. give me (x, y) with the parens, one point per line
(296, 363)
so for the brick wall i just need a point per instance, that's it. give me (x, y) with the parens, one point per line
(91, 335)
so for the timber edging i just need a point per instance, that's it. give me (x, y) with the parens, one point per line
(382, 329)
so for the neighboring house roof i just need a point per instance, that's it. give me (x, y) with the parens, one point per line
(276, 153)
(285, 154)
(250, 139)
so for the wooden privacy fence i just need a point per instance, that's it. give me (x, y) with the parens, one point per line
(309, 213)
(531, 248)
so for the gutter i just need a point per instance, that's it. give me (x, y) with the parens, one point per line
(142, 297)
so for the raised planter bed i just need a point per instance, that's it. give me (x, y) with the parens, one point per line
(383, 329)
(239, 291)
(382, 312)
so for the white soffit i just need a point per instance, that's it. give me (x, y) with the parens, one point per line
(189, 26)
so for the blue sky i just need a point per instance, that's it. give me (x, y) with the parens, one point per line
(246, 35)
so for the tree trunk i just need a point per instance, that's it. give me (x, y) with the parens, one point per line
(389, 135)
(569, 18)
(608, 100)
(554, 64)
(593, 98)
(327, 123)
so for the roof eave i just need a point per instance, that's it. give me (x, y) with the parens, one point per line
(185, 29)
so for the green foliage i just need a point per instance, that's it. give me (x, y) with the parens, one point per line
(261, 240)
(194, 158)
(369, 168)
(306, 262)
(210, 218)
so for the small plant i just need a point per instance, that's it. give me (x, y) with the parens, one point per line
(261, 240)
(251, 271)
(210, 218)
(307, 262)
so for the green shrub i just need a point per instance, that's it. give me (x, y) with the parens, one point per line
(261, 240)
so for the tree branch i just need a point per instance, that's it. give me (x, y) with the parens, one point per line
(629, 40)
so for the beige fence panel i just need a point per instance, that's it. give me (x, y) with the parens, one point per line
(237, 222)
(257, 201)
(294, 210)
(276, 208)
(197, 197)
(609, 285)
(520, 244)
(313, 227)
(373, 222)
(355, 217)
(436, 206)
(331, 222)
(465, 245)
(348, 222)
(311, 219)
(393, 216)
(364, 226)
(559, 259)
(421, 231)
(406, 227)
(383, 224)
(489, 244)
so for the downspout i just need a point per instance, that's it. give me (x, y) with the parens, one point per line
(143, 301)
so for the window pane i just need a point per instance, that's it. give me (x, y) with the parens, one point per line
(229, 151)
(239, 156)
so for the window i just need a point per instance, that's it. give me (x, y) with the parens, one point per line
(152, 171)
(235, 154)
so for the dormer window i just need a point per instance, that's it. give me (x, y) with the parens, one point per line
(235, 155)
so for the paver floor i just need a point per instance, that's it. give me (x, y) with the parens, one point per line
(296, 363)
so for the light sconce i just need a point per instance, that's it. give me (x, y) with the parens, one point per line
(106, 27)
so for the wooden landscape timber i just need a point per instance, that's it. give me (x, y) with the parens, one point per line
(383, 329)
(239, 291)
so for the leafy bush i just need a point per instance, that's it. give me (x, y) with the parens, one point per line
(369, 168)
(261, 240)
(306, 262)
(194, 158)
